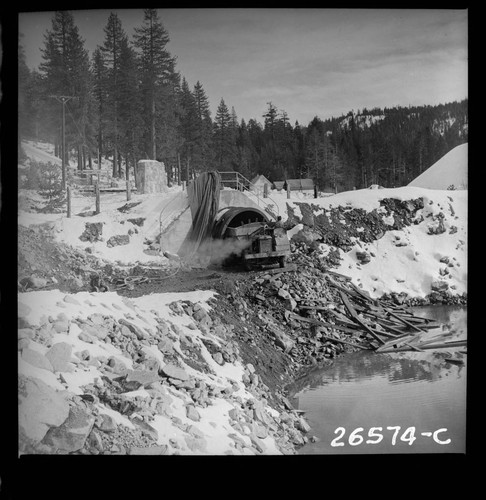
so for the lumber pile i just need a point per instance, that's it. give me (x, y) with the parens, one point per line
(367, 323)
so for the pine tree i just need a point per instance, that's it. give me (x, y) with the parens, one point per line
(111, 49)
(23, 95)
(34, 107)
(246, 156)
(222, 138)
(65, 69)
(314, 156)
(130, 121)
(157, 74)
(203, 141)
(188, 124)
(100, 83)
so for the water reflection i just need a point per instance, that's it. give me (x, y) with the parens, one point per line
(422, 390)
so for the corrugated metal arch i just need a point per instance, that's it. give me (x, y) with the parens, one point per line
(234, 217)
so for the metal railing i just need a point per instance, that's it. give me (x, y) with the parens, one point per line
(234, 180)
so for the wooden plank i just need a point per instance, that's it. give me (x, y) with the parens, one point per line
(341, 318)
(355, 316)
(413, 318)
(398, 342)
(389, 325)
(427, 347)
(323, 323)
(363, 294)
(344, 290)
(333, 273)
(332, 339)
(314, 308)
(405, 321)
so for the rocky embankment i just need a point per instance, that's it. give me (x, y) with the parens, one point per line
(423, 234)
(111, 375)
(146, 370)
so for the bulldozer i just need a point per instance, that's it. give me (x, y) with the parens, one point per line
(264, 244)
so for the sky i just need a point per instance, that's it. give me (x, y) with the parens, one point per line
(307, 62)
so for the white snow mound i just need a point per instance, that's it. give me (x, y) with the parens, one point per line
(450, 170)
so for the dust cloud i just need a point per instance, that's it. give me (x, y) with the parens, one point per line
(218, 250)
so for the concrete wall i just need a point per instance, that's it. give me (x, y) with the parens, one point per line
(151, 177)
(172, 239)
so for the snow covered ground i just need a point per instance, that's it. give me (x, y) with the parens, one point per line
(410, 267)
(409, 260)
(66, 312)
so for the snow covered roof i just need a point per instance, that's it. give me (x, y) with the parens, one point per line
(260, 179)
(300, 184)
(450, 170)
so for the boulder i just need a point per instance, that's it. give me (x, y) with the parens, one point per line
(118, 240)
(302, 425)
(139, 221)
(61, 326)
(363, 257)
(72, 434)
(174, 371)
(260, 431)
(40, 408)
(106, 423)
(95, 441)
(194, 431)
(196, 444)
(25, 333)
(23, 309)
(92, 232)
(60, 355)
(439, 286)
(35, 358)
(281, 338)
(202, 317)
(141, 377)
(133, 328)
(98, 331)
(192, 413)
(146, 428)
(166, 346)
(23, 344)
(118, 366)
(218, 357)
(257, 443)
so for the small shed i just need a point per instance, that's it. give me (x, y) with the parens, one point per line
(303, 185)
(258, 183)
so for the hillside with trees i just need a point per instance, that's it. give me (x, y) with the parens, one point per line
(127, 102)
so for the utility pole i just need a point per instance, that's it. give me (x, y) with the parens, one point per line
(63, 99)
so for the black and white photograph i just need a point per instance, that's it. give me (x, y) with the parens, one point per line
(242, 231)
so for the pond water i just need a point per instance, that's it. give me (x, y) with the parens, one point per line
(376, 403)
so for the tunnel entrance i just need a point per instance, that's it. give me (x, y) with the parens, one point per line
(235, 217)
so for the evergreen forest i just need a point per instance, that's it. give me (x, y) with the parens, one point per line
(127, 101)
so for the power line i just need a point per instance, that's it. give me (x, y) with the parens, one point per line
(63, 99)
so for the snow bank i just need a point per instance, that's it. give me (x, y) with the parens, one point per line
(408, 260)
(450, 170)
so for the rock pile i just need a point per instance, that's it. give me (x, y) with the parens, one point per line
(338, 225)
(156, 374)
